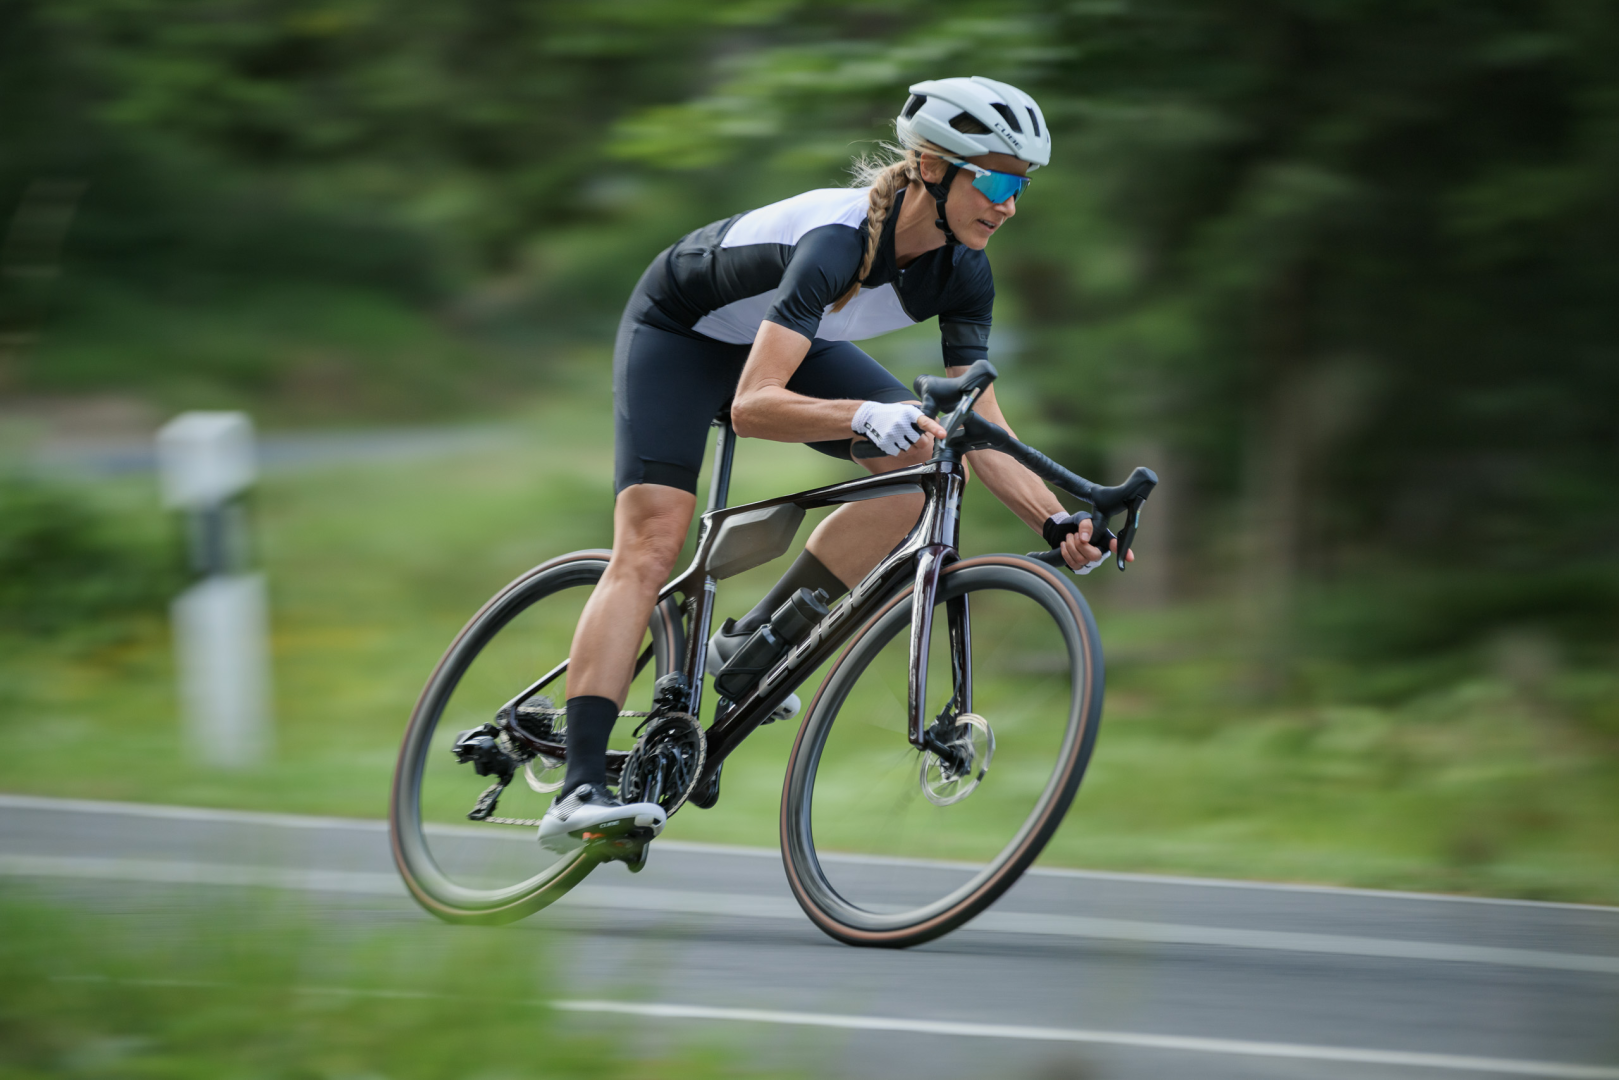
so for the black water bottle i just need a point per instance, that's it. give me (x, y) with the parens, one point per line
(790, 625)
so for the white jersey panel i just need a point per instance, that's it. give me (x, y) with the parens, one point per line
(736, 322)
(873, 312)
(787, 221)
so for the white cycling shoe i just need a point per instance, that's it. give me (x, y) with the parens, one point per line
(724, 645)
(591, 814)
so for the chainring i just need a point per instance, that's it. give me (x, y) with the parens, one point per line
(666, 763)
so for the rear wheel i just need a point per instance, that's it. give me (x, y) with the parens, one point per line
(495, 870)
(888, 846)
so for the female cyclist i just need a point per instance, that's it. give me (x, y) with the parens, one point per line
(759, 310)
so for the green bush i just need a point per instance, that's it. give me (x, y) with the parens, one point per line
(65, 559)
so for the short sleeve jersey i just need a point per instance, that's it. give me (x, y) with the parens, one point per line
(788, 262)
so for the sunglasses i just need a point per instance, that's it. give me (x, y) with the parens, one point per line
(997, 187)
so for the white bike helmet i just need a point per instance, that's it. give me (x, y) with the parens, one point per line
(1016, 126)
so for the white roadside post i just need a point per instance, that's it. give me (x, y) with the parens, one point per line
(221, 623)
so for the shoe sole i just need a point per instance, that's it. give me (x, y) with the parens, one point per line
(614, 831)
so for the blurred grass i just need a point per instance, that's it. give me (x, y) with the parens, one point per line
(265, 989)
(1488, 768)
(293, 352)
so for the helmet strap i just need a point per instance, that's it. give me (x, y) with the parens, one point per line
(941, 192)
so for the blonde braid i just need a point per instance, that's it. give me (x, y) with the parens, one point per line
(886, 183)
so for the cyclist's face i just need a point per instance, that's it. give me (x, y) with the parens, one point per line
(973, 218)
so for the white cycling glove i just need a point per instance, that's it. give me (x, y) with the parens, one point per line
(891, 427)
(1063, 519)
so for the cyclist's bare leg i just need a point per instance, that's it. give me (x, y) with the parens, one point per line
(854, 537)
(649, 527)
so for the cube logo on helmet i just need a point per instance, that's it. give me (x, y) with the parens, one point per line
(970, 117)
(1013, 120)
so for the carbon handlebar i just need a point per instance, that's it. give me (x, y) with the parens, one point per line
(968, 431)
(939, 394)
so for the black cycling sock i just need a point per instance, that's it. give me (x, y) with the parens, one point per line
(590, 722)
(807, 572)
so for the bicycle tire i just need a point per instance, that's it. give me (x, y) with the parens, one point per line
(847, 920)
(432, 887)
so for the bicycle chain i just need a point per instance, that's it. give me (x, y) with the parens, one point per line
(534, 822)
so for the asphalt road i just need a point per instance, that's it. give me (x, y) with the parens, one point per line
(1073, 974)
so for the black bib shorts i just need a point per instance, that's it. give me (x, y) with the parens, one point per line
(670, 382)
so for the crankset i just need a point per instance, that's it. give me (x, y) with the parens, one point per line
(666, 763)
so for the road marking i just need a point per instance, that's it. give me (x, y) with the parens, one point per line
(369, 824)
(1189, 1044)
(187, 813)
(301, 821)
(754, 906)
(1560, 1070)
(170, 872)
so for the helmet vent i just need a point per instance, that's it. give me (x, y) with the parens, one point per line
(1035, 120)
(968, 124)
(911, 106)
(1008, 115)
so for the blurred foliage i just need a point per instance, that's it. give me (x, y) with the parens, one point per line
(66, 560)
(1345, 272)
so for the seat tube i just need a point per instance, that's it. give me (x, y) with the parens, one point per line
(719, 484)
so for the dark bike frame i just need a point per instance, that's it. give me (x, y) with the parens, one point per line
(931, 545)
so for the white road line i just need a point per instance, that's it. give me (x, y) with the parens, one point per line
(1184, 1043)
(171, 872)
(187, 813)
(300, 821)
(967, 1028)
(1561, 1070)
(754, 906)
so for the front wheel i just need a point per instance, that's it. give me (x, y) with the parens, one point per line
(493, 869)
(888, 846)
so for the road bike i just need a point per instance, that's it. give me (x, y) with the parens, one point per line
(958, 705)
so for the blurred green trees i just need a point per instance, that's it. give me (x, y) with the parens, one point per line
(1345, 271)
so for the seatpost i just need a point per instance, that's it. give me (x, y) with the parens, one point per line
(719, 484)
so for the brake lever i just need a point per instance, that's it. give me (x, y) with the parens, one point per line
(1101, 537)
(1132, 518)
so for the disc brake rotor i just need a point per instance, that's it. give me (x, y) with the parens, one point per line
(944, 784)
(540, 717)
(543, 774)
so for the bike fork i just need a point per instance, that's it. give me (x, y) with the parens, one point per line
(941, 522)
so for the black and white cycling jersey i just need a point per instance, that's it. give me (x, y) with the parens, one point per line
(788, 262)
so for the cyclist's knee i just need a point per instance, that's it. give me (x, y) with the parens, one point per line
(649, 528)
(647, 555)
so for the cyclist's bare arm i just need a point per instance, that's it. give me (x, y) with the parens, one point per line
(765, 409)
(1024, 493)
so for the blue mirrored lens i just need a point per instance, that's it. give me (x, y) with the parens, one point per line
(998, 186)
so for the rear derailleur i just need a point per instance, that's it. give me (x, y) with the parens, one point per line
(492, 751)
